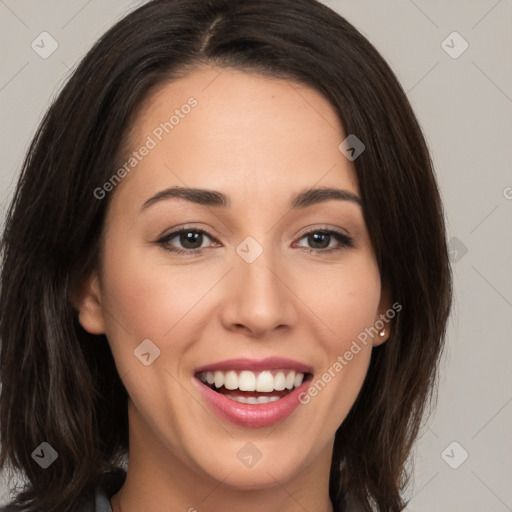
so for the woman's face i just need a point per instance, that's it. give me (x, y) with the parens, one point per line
(262, 280)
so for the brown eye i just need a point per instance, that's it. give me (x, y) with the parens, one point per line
(186, 240)
(319, 240)
(326, 240)
(191, 239)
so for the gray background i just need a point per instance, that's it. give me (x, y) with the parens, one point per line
(464, 105)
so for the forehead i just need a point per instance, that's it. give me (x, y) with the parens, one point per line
(240, 132)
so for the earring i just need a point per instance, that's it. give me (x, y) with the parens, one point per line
(382, 333)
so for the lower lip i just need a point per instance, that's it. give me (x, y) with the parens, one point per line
(252, 415)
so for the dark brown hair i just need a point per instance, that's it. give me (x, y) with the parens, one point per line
(60, 384)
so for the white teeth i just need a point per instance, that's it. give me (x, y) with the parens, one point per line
(259, 400)
(231, 380)
(219, 379)
(247, 381)
(290, 378)
(279, 381)
(263, 382)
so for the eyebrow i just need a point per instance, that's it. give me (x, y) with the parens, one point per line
(319, 195)
(205, 197)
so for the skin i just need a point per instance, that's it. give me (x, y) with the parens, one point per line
(258, 140)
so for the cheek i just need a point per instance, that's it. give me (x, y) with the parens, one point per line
(344, 302)
(345, 298)
(147, 299)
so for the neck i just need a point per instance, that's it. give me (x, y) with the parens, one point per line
(123, 503)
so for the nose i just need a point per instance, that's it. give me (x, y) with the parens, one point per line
(258, 299)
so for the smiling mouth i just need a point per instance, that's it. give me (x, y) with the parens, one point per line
(249, 387)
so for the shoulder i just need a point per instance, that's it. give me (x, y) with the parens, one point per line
(96, 501)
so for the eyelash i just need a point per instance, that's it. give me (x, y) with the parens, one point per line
(344, 240)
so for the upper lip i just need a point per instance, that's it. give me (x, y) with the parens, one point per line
(257, 365)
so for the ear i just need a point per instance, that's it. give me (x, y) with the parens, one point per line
(87, 302)
(383, 320)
